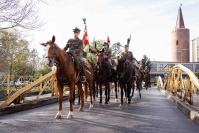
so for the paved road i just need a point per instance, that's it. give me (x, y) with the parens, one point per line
(152, 114)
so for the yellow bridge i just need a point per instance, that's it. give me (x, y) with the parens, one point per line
(174, 82)
(48, 80)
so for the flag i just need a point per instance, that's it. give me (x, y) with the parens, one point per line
(108, 40)
(85, 38)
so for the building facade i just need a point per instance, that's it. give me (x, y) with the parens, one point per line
(195, 50)
(180, 40)
(159, 68)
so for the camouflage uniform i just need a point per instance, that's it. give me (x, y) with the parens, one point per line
(75, 47)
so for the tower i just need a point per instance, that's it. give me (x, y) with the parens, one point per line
(180, 40)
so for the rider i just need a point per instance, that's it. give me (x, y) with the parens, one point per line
(128, 55)
(107, 55)
(75, 46)
(107, 52)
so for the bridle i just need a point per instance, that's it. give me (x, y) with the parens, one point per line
(53, 59)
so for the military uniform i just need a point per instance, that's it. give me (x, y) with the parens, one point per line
(107, 53)
(75, 47)
(128, 56)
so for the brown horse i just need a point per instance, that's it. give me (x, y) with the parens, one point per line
(67, 73)
(103, 75)
(138, 81)
(125, 77)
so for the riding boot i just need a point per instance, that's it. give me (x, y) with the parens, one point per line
(82, 76)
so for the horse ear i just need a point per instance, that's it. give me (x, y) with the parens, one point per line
(53, 39)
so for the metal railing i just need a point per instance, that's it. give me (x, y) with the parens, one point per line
(42, 83)
(185, 87)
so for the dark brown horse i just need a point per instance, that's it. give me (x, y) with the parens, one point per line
(67, 73)
(103, 73)
(125, 78)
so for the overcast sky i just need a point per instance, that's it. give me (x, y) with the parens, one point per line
(149, 21)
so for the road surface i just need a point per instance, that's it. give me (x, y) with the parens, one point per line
(152, 114)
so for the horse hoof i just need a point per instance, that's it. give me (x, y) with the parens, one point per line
(58, 115)
(120, 105)
(70, 115)
(100, 102)
(81, 109)
(91, 106)
(106, 103)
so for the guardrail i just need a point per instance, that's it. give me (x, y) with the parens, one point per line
(175, 83)
(43, 82)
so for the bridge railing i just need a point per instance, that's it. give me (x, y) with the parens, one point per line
(42, 83)
(182, 82)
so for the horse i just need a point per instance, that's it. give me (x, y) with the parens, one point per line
(103, 74)
(67, 73)
(138, 81)
(125, 77)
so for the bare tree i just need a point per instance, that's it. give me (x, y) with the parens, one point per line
(19, 14)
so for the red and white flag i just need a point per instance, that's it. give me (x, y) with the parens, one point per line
(85, 38)
(108, 40)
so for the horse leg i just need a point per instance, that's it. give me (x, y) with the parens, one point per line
(129, 92)
(139, 89)
(94, 91)
(97, 91)
(86, 91)
(71, 94)
(60, 99)
(133, 89)
(122, 89)
(125, 93)
(100, 87)
(91, 94)
(116, 96)
(81, 92)
(106, 94)
(109, 92)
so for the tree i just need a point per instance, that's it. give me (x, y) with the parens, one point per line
(16, 59)
(146, 67)
(19, 14)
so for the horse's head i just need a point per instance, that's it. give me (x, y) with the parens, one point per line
(100, 57)
(52, 52)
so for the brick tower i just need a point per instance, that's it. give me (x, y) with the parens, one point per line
(180, 40)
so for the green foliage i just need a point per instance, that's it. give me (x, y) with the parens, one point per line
(146, 67)
(90, 55)
(43, 71)
(16, 58)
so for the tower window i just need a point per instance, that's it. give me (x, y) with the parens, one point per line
(177, 42)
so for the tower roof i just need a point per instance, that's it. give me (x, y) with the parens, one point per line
(180, 20)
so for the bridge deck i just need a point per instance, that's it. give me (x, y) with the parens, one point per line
(153, 113)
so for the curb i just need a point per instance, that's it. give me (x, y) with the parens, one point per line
(29, 105)
(188, 111)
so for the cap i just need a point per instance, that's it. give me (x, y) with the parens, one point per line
(76, 30)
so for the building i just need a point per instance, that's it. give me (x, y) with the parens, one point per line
(158, 68)
(180, 40)
(195, 50)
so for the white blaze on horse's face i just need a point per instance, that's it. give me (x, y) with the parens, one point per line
(47, 48)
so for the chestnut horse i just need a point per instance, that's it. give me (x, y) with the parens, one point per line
(67, 73)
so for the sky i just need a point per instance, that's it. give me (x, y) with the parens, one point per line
(150, 22)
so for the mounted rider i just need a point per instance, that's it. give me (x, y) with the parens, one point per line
(128, 55)
(106, 51)
(75, 46)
